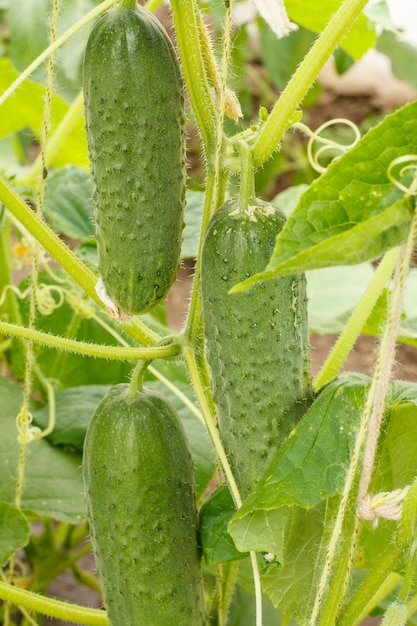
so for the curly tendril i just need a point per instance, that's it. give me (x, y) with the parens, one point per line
(320, 147)
(45, 300)
(402, 172)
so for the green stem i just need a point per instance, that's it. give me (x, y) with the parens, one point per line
(117, 353)
(53, 608)
(65, 257)
(356, 322)
(380, 576)
(247, 177)
(203, 392)
(341, 573)
(136, 379)
(213, 197)
(303, 78)
(192, 61)
(55, 46)
(10, 305)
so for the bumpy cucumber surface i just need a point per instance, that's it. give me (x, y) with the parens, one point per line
(257, 341)
(134, 110)
(139, 486)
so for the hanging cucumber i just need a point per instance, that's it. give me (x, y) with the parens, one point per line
(134, 111)
(139, 479)
(257, 341)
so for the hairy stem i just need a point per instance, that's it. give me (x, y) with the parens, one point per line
(53, 608)
(117, 353)
(303, 78)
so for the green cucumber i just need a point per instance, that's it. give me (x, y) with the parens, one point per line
(257, 341)
(134, 111)
(139, 486)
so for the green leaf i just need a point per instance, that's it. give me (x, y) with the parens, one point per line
(52, 483)
(67, 202)
(215, 514)
(16, 114)
(309, 468)
(353, 212)
(14, 531)
(314, 15)
(74, 408)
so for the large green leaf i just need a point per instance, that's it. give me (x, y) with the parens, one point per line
(52, 483)
(309, 468)
(353, 212)
(315, 15)
(14, 531)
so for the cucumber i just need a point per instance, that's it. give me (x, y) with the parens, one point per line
(134, 112)
(139, 486)
(257, 341)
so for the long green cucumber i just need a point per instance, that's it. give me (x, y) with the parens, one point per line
(134, 110)
(139, 487)
(257, 341)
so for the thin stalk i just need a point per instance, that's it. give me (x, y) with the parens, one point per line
(136, 379)
(303, 78)
(247, 177)
(203, 394)
(192, 61)
(381, 579)
(353, 328)
(53, 608)
(213, 196)
(116, 353)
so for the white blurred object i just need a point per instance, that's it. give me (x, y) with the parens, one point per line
(372, 74)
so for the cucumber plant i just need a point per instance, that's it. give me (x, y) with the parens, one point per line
(221, 484)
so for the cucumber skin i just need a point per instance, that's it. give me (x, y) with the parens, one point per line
(257, 341)
(139, 486)
(134, 111)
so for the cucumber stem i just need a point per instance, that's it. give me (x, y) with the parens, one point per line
(247, 177)
(53, 608)
(136, 380)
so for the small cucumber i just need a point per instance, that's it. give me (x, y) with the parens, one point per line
(257, 341)
(139, 486)
(134, 111)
